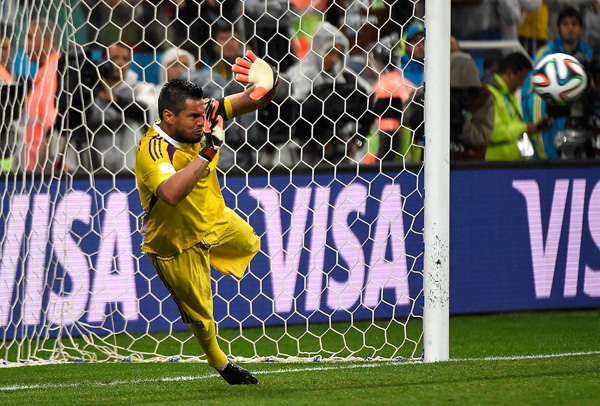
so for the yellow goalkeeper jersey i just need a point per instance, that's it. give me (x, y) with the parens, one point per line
(168, 230)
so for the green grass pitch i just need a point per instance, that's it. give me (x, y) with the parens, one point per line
(520, 358)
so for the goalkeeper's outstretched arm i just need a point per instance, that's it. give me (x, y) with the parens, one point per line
(264, 79)
(242, 103)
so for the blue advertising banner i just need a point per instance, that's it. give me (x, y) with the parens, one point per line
(525, 239)
(331, 248)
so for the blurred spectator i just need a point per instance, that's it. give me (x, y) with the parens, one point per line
(8, 102)
(475, 20)
(491, 64)
(119, 113)
(391, 91)
(192, 29)
(509, 140)
(173, 63)
(488, 19)
(484, 20)
(413, 55)
(533, 31)
(334, 100)
(534, 107)
(40, 107)
(472, 110)
(591, 25)
(310, 14)
(512, 14)
(454, 45)
(142, 24)
(569, 27)
(407, 142)
(146, 25)
(5, 52)
(161, 21)
(113, 20)
(268, 25)
(365, 22)
(588, 9)
(226, 46)
(218, 82)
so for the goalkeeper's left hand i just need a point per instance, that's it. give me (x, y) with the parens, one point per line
(213, 131)
(258, 72)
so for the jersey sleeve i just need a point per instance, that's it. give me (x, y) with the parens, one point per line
(225, 109)
(154, 164)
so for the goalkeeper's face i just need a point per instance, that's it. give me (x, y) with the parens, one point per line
(187, 125)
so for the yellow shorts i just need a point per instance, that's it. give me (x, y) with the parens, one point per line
(228, 247)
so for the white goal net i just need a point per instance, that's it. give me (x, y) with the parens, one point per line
(330, 176)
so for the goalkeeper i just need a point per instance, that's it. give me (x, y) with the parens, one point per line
(186, 226)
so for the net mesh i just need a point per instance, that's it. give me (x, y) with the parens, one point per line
(328, 174)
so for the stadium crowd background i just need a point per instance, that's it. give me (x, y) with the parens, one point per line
(352, 76)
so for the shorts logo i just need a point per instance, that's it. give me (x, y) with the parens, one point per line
(166, 168)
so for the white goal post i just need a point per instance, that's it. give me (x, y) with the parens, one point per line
(436, 283)
(354, 259)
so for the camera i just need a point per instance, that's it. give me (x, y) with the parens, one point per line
(79, 77)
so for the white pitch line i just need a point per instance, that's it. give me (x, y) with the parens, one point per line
(280, 371)
(519, 357)
(185, 378)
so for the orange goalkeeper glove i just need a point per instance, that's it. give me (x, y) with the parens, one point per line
(213, 131)
(258, 72)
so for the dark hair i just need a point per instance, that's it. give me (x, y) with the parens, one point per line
(492, 60)
(569, 11)
(222, 26)
(5, 30)
(174, 94)
(515, 62)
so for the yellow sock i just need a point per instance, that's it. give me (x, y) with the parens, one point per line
(207, 339)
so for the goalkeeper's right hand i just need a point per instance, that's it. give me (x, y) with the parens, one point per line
(213, 131)
(258, 72)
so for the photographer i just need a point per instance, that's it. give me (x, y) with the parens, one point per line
(471, 110)
(509, 140)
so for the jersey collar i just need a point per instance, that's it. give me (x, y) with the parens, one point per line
(167, 138)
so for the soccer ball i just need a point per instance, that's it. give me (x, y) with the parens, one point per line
(559, 79)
